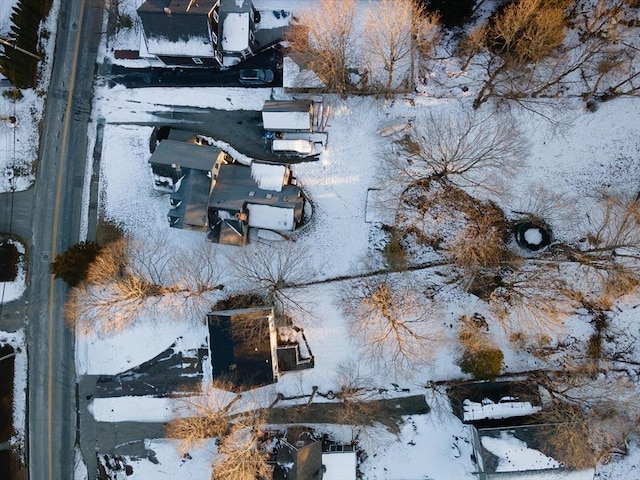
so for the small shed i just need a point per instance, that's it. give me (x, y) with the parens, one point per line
(288, 116)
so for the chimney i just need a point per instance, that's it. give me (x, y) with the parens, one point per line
(167, 10)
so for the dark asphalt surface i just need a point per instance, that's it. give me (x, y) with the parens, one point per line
(56, 217)
(194, 77)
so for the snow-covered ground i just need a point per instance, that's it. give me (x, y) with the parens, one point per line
(17, 341)
(19, 141)
(581, 155)
(585, 153)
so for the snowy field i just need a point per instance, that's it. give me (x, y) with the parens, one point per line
(583, 155)
(580, 156)
(587, 154)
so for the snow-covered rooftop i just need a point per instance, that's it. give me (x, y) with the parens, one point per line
(235, 32)
(268, 177)
(270, 217)
(194, 47)
(339, 465)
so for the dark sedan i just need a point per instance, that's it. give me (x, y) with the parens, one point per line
(256, 76)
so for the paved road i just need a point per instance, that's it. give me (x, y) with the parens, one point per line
(57, 210)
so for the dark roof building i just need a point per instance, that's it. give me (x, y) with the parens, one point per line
(172, 160)
(214, 194)
(179, 32)
(202, 33)
(300, 455)
(260, 196)
(189, 202)
(243, 344)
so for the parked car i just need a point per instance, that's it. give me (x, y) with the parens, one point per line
(256, 76)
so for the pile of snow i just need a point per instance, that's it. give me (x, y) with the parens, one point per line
(166, 461)
(503, 409)
(533, 236)
(514, 455)
(268, 177)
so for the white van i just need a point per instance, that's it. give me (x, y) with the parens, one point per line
(291, 147)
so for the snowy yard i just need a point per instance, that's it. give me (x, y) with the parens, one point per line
(590, 152)
(575, 156)
(571, 162)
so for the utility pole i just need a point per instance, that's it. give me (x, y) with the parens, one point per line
(13, 45)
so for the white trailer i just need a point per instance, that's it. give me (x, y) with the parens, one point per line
(291, 147)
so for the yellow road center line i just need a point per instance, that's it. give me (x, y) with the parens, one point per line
(54, 235)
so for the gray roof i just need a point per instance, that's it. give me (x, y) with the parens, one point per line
(180, 24)
(303, 451)
(287, 105)
(234, 6)
(235, 185)
(194, 194)
(186, 155)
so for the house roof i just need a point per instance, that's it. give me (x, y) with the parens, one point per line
(241, 345)
(301, 453)
(235, 32)
(190, 47)
(287, 115)
(339, 465)
(271, 218)
(287, 106)
(192, 196)
(186, 23)
(235, 187)
(234, 25)
(187, 155)
(269, 177)
(289, 358)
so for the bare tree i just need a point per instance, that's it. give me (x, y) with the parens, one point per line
(534, 296)
(203, 415)
(350, 379)
(527, 30)
(467, 150)
(393, 30)
(592, 274)
(243, 455)
(609, 260)
(534, 50)
(273, 270)
(591, 417)
(216, 413)
(323, 40)
(129, 279)
(481, 245)
(395, 328)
